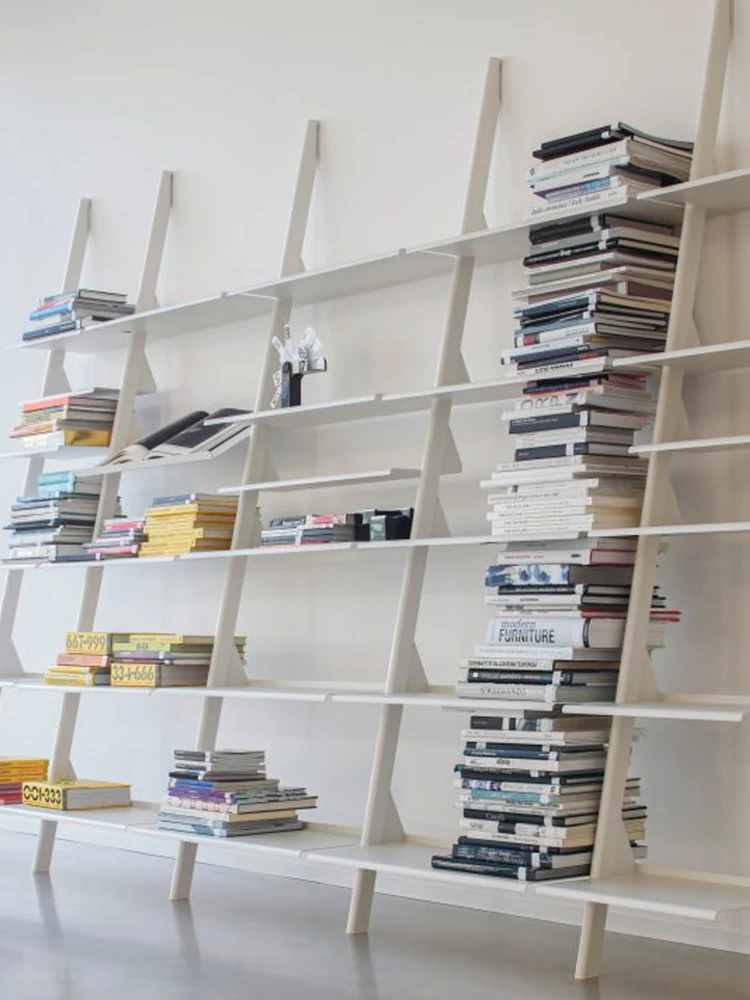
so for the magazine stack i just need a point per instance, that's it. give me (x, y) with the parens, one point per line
(73, 419)
(55, 521)
(227, 793)
(192, 522)
(603, 164)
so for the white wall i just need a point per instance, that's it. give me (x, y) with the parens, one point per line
(98, 98)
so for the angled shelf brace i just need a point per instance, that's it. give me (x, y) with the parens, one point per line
(405, 671)
(136, 374)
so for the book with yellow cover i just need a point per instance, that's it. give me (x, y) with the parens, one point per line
(17, 769)
(93, 642)
(80, 676)
(154, 675)
(66, 438)
(68, 796)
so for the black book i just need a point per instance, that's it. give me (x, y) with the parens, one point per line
(144, 446)
(202, 436)
(604, 135)
(589, 224)
(497, 870)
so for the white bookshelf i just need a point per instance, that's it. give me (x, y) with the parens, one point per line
(380, 845)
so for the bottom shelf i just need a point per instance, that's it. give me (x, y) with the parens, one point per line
(677, 894)
(117, 819)
(411, 860)
(295, 843)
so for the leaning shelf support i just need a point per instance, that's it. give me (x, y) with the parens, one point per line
(612, 853)
(381, 818)
(55, 380)
(135, 364)
(226, 669)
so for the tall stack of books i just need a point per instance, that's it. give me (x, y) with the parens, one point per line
(599, 287)
(227, 793)
(193, 522)
(67, 312)
(163, 659)
(529, 789)
(14, 771)
(121, 538)
(73, 419)
(588, 169)
(55, 521)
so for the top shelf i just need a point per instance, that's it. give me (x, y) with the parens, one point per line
(720, 194)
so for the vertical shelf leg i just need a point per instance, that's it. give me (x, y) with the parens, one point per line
(61, 767)
(426, 508)
(611, 855)
(246, 523)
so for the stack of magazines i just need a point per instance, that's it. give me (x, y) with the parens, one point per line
(73, 419)
(120, 538)
(55, 521)
(227, 793)
(68, 312)
(190, 522)
(529, 785)
(605, 163)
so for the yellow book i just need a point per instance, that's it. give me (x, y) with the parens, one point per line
(80, 676)
(67, 796)
(14, 770)
(92, 642)
(153, 675)
(193, 509)
(81, 437)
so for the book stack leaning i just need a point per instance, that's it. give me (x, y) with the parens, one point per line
(226, 793)
(531, 771)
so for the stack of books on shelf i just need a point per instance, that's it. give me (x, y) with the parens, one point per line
(67, 312)
(227, 793)
(603, 164)
(55, 521)
(121, 538)
(193, 522)
(136, 659)
(14, 771)
(191, 436)
(72, 796)
(529, 789)
(74, 419)
(369, 525)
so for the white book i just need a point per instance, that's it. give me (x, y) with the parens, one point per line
(587, 202)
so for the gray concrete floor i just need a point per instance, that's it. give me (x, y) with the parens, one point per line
(101, 929)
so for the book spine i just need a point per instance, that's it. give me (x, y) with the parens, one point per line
(545, 631)
(594, 155)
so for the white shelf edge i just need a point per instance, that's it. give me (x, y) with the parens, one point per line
(673, 530)
(694, 444)
(670, 893)
(324, 482)
(708, 357)
(692, 710)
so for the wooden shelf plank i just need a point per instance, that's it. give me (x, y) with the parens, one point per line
(294, 843)
(709, 358)
(673, 530)
(64, 454)
(729, 443)
(720, 194)
(692, 711)
(120, 819)
(325, 482)
(668, 895)
(410, 860)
